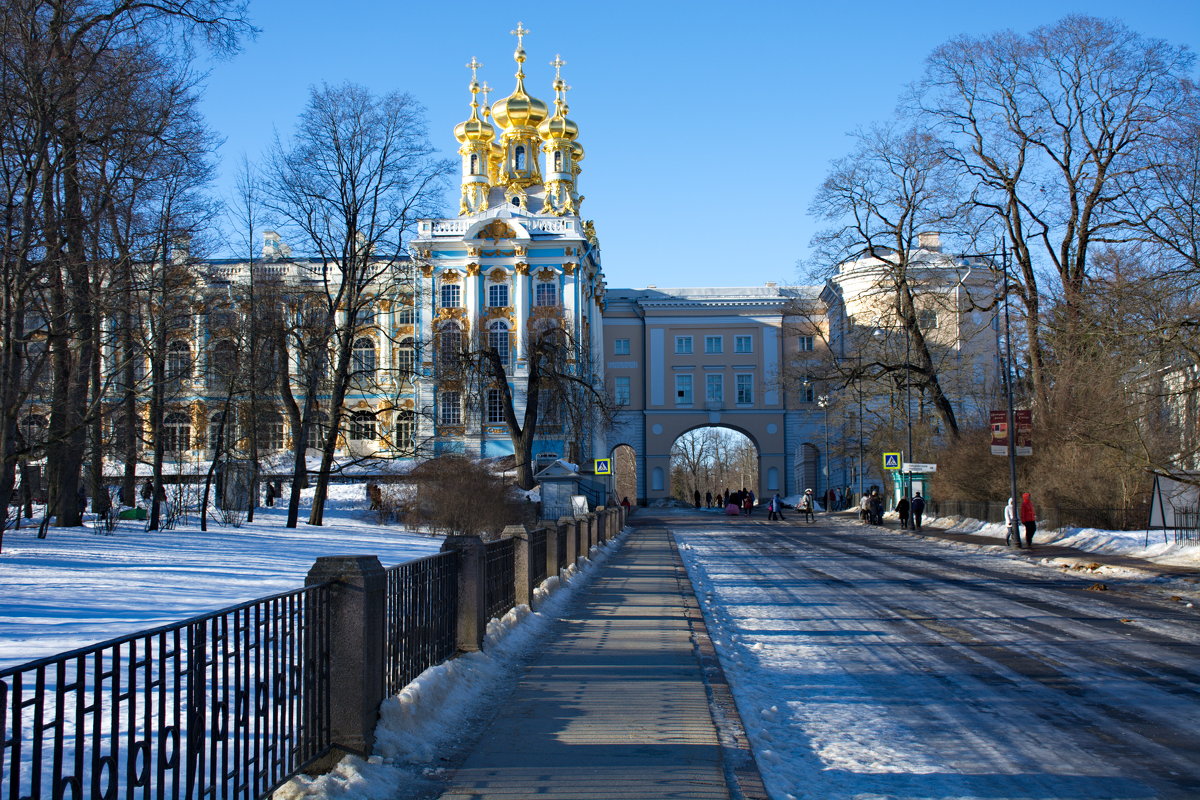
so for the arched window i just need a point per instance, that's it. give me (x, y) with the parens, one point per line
(558, 161)
(363, 356)
(269, 431)
(498, 340)
(519, 157)
(176, 432)
(179, 360)
(449, 346)
(362, 426)
(406, 360)
(474, 164)
(224, 365)
(405, 428)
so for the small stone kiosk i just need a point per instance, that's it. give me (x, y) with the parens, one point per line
(560, 491)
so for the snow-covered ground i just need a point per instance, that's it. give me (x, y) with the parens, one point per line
(79, 586)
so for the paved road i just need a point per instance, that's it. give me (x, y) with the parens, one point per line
(940, 668)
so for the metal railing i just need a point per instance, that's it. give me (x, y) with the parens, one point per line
(419, 618)
(561, 534)
(537, 557)
(226, 705)
(1187, 526)
(501, 577)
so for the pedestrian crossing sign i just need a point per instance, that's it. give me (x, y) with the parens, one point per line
(603, 466)
(891, 461)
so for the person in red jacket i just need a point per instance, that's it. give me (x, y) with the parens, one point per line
(1028, 518)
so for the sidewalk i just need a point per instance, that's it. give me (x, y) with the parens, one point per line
(616, 707)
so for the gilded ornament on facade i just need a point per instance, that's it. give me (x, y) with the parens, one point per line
(472, 270)
(472, 252)
(427, 270)
(545, 275)
(498, 275)
(520, 251)
(450, 276)
(496, 230)
(521, 268)
(568, 269)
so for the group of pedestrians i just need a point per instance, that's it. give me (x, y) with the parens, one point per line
(910, 513)
(1028, 519)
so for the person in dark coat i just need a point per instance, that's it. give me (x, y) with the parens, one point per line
(270, 494)
(708, 499)
(902, 511)
(917, 508)
(696, 497)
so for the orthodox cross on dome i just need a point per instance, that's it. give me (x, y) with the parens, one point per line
(474, 66)
(521, 32)
(485, 90)
(558, 64)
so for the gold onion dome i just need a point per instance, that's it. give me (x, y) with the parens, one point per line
(519, 110)
(474, 129)
(559, 126)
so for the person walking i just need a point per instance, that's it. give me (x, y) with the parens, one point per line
(864, 508)
(778, 501)
(902, 511)
(917, 508)
(708, 499)
(806, 505)
(1028, 518)
(696, 497)
(876, 508)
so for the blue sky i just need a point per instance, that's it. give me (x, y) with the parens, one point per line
(708, 126)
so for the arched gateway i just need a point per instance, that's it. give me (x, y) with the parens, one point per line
(680, 359)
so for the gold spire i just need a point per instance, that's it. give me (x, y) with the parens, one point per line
(474, 129)
(558, 126)
(519, 110)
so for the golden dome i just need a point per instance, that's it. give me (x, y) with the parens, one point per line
(576, 152)
(474, 129)
(519, 110)
(559, 126)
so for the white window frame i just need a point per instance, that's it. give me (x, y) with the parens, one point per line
(744, 383)
(684, 389)
(498, 295)
(806, 344)
(683, 345)
(498, 337)
(545, 293)
(494, 407)
(714, 388)
(450, 408)
(714, 345)
(622, 390)
(450, 295)
(743, 343)
(363, 427)
(621, 347)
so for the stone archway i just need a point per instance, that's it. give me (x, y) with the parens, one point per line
(712, 459)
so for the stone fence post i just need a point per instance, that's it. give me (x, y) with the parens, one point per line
(523, 568)
(597, 533)
(572, 526)
(472, 590)
(356, 597)
(552, 530)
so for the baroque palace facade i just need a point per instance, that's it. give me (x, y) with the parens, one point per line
(518, 258)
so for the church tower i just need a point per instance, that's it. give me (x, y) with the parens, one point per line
(517, 262)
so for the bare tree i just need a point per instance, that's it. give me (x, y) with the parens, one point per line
(1048, 126)
(354, 179)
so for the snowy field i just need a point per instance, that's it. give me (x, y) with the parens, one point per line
(78, 587)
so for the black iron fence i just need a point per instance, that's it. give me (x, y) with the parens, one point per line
(1187, 526)
(225, 705)
(501, 577)
(561, 534)
(421, 610)
(537, 547)
(1049, 517)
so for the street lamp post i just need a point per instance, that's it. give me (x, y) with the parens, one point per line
(823, 402)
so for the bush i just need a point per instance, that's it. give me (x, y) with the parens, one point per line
(458, 496)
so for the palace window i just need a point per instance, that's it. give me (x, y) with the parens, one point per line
(404, 431)
(498, 340)
(449, 346)
(497, 295)
(745, 389)
(713, 344)
(927, 319)
(683, 390)
(405, 315)
(620, 347)
(622, 393)
(362, 426)
(269, 431)
(450, 409)
(223, 365)
(451, 295)
(558, 161)
(179, 360)
(519, 157)
(494, 413)
(474, 164)
(405, 358)
(218, 436)
(805, 344)
(546, 294)
(808, 391)
(364, 357)
(176, 432)
(317, 428)
(683, 345)
(743, 344)
(714, 388)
